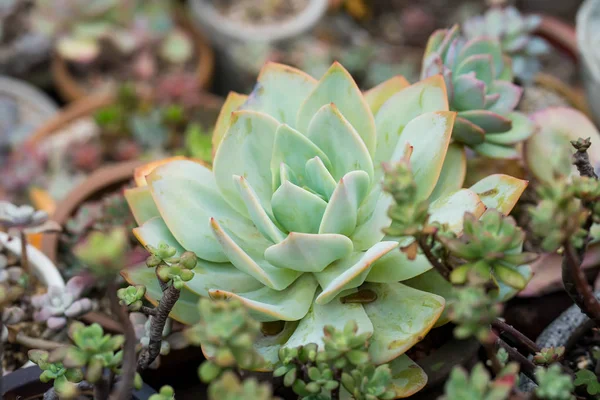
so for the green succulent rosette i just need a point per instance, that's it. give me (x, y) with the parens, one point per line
(289, 220)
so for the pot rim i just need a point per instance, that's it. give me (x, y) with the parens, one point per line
(208, 17)
(45, 106)
(583, 24)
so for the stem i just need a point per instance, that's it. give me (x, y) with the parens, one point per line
(335, 393)
(157, 325)
(527, 366)
(441, 268)
(24, 256)
(527, 343)
(581, 159)
(490, 350)
(148, 310)
(576, 284)
(125, 387)
(1, 353)
(35, 343)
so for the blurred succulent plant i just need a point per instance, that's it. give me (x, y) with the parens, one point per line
(132, 296)
(472, 310)
(479, 385)
(554, 384)
(549, 355)
(92, 349)
(58, 304)
(515, 32)
(229, 387)
(64, 379)
(165, 393)
(132, 29)
(104, 253)
(479, 87)
(10, 316)
(492, 248)
(22, 169)
(287, 209)
(368, 382)
(25, 219)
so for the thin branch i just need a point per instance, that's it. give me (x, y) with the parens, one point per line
(125, 387)
(503, 327)
(157, 325)
(101, 390)
(148, 310)
(35, 343)
(581, 159)
(577, 286)
(527, 366)
(441, 268)
(491, 352)
(24, 256)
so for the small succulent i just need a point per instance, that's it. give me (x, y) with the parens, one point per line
(165, 393)
(9, 274)
(289, 221)
(93, 350)
(57, 305)
(479, 386)
(515, 32)
(179, 270)
(104, 253)
(10, 316)
(25, 218)
(229, 387)
(549, 355)
(226, 332)
(132, 296)
(64, 378)
(492, 248)
(472, 311)
(368, 382)
(479, 87)
(554, 384)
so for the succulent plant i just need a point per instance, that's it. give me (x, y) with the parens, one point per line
(25, 218)
(492, 248)
(514, 32)
(549, 355)
(472, 311)
(554, 384)
(290, 219)
(229, 387)
(92, 349)
(165, 393)
(58, 304)
(479, 385)
(104, 253)
(479, 87)
(10, 316)
(368, 382)
(64, 378)
(132, 296)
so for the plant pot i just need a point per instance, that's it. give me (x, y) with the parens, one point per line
(588, 18)
(25, 384)
(563, 331)
(226, 35)
(70, 89)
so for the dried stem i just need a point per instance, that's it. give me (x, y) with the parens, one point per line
(148, 310)
(441, 268)
(1, 352)
(101, 390)
(491, 352)
(125, 387)
(577, 286)
(527, 366)
(157, 325)
(24, 256)
(503, 327)
(581, 159)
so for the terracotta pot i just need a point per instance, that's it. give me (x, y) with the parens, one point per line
(560, 34)
(25, 384)
(70, 89)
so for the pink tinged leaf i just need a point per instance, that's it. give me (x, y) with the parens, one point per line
(481, 64)
(510, 94)
(79, 308)
(77, 284)
(469, 93)
(489, 121)
(467, 132)
(56, 323)
(144, 65)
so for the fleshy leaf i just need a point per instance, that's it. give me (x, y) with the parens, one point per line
(232, 102)
(337, 87)
(257, 213)
(186, 195)
(467, 132)
(453, 172)
(432, 282)
(318, 178)
(350, 272)
(378, 95)
(522, 129)
(280, 91)
(483, 45)
(407, 377)
(488, 121)
(308, 252)
(451, 208)
(401, 317)
(331, 132)
(266, 304)
(310, 328)
(153, 232)
(422, 97)
(268, 345)
(141, 204)
(370, 232)
(246, 151)
(222, 276)
(469, 93)
(294, 149)
(296, 209)
(254, 265)
(492, 150)
(429, 135)
(481, 64)
(510, 94)
(342, 210)
(500, 191)
(396, 267)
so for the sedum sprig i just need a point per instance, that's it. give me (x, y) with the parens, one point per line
(554, 384)
(64, 379)
(479, 385)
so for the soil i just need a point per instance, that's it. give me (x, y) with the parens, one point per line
(258, 12)
(583, 349)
